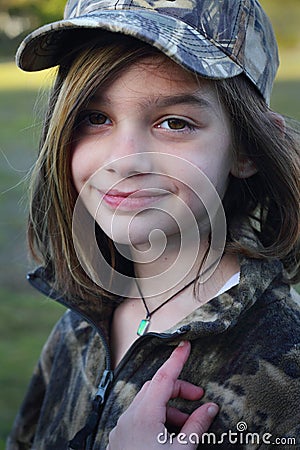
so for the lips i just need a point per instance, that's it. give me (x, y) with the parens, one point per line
(133, 200)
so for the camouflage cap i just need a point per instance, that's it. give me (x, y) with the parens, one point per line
(217, 39)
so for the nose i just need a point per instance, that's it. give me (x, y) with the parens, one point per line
(130, 154)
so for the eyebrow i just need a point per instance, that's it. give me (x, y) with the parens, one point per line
(162, 101)
(179, 99)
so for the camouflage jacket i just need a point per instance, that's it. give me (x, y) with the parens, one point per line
(245, 353)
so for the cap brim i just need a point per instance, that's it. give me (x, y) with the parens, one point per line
(45, 47)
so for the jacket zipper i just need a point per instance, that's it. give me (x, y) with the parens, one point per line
(85, 437)
(36, 279)
(163, 336)
(93, 419)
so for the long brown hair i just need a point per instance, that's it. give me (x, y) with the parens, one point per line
(269, 199)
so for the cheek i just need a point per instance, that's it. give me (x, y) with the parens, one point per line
(203, 193)
(82, 166)
(217, 167)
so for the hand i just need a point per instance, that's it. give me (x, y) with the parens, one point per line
(142, 426)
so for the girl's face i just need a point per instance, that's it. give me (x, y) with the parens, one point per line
(138, 144)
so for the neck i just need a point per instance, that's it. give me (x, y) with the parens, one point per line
(174, 267)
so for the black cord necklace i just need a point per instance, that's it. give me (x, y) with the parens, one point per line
(144, 323)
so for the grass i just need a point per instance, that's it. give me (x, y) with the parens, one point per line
(26, 320)
(25, 317)
(286, 98)
(12, 77)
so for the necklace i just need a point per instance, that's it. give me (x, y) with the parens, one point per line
(144, 323)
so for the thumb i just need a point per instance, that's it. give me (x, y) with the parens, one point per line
(199, 422)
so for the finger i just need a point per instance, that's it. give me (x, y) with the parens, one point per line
(201, 419)
(141, 394)
(187, 390)
(182, 389)
(163, 383)
(175, 417)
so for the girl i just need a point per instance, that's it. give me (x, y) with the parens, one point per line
(164, 206)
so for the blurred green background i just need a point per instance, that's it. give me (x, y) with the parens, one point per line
(26, 317)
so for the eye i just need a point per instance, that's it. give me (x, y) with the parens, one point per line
(176, 124)
(97, 118)
(92, 118)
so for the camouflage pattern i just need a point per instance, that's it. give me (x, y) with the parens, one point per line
(245, 353)
(215, 38)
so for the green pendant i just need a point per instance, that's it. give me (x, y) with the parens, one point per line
(144, 324)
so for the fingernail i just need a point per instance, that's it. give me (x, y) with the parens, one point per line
(212, 410)
(181, 344)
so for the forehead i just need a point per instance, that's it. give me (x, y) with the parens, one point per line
(156, 77)
(159, 66)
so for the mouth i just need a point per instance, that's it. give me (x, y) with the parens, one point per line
(133, 200)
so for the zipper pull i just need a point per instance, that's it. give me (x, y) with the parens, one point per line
(184, 329)
(105, 381)
(79, 440)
